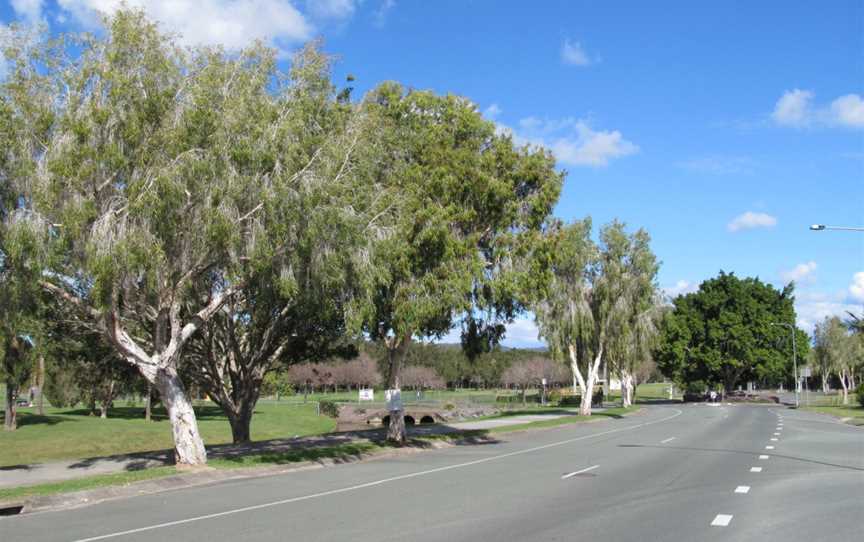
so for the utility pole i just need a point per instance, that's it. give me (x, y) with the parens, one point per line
(794, 359)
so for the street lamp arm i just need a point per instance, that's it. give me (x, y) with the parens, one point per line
(820, 227)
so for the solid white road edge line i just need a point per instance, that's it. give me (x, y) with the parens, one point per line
(374, 483)
(572, 474)
(742, 489)
(721, 520)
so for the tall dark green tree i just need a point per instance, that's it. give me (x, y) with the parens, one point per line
(463, 204)
(722, 334)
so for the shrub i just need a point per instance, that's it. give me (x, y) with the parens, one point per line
(61, 390)
(329, 408)
(859, 391)
(449, 406)
(570, 400)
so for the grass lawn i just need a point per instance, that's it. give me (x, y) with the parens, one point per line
(73, 434)
(851, 410)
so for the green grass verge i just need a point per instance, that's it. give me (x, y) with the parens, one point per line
(555, 422)
(73, 434)
(840, 411)
(87, 482)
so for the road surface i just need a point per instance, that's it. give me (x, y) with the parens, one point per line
(677, 472)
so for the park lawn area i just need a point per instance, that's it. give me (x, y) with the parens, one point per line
(73, 434)
(853, 411)
(608, 413)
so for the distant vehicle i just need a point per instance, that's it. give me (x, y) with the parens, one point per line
(23, 402)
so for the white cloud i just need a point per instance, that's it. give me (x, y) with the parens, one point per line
(232, 24)
(383, 10)
(572, 53)
(681, 287)
(800, 273)
(795, 108)
(29, 10)
(856, 289)
(331, 9)
(813, 307)
(848, 110)
(522, 332)
(573, 141)
(492, 111)
(750, 220)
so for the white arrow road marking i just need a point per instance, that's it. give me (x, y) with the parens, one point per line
(722, 520)
(572, 474)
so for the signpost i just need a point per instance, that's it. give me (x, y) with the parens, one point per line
(366, 395)
(394, 400)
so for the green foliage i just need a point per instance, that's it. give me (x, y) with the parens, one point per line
(276, 383)
(61, 387)
(462, 204)
(723, 334)
(329, 408)
(859, 392)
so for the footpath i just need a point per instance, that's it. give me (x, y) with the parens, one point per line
(59, 471)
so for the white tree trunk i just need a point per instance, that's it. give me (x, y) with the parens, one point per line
(845, 385)
(627, 385)
(825, 383)
(188, 446)
(586, 385)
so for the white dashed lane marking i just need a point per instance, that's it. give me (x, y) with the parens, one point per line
(572, 474)
(764, 456)
(742, 489)
(769, 447)
(721, 520)
(755, 469)
(670, 439)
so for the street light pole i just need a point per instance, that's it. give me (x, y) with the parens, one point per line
(794, 358)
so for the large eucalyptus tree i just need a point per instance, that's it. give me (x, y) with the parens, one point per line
(163, 172)
(461, 203)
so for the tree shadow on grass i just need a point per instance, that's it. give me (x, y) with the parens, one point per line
(26, 418)
(202, 413)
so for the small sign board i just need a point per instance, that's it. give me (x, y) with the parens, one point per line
(805, 372)
(394, 399)
(544, 381)
(367, 395)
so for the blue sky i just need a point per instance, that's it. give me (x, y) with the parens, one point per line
(724, 128)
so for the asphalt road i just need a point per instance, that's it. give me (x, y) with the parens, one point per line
(691, 472)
